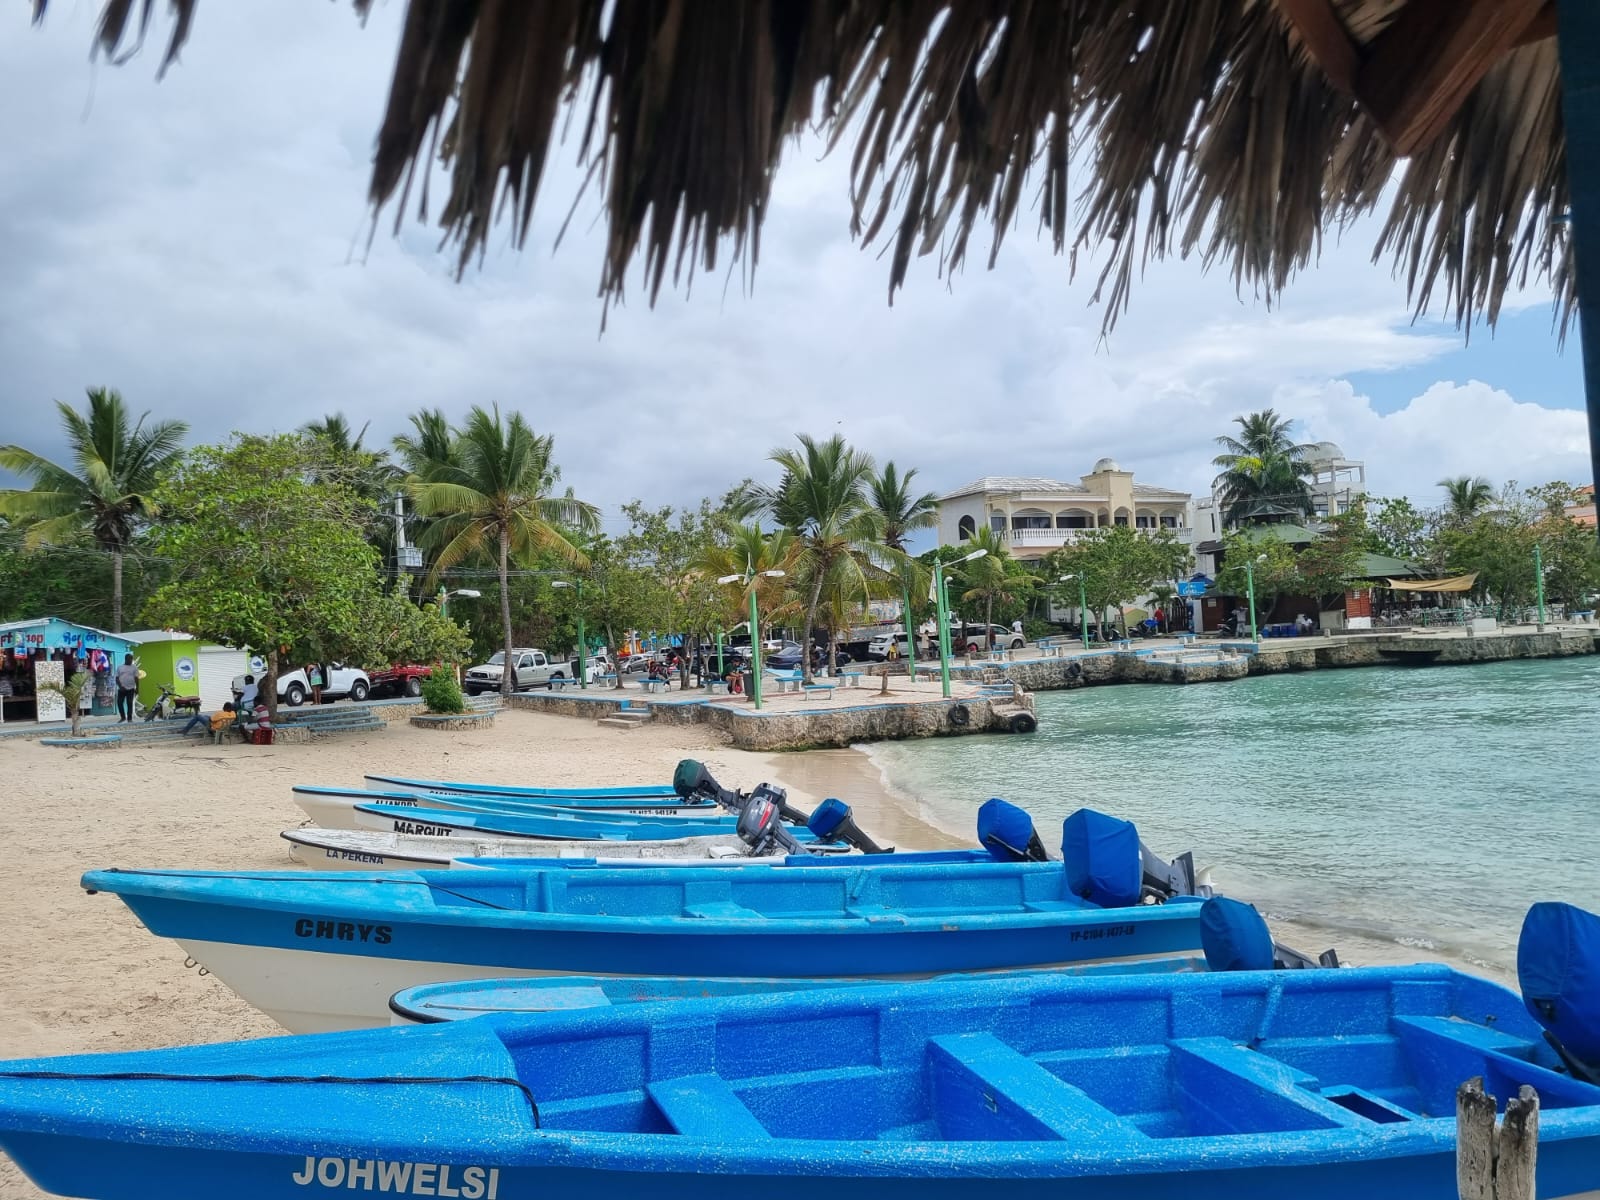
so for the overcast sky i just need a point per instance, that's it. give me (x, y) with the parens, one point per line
(200, 244)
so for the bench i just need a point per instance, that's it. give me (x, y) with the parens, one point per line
(812, 691)
(851, 678)
(652, 685)
(558, 683)
(784, 681)
(609, 680)
(717, 687)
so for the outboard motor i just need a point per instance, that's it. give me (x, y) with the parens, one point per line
(1235, 937)
(761, 829)
(832, 822)
(693, 782)
(1558, 970)
(1007, 833)
(1108, 864)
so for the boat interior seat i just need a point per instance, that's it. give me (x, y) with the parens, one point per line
(1465, 1049)
(704, 1106)
(1041, 906)
(986, 1090)
(721, 910)
(876, 912)
(1228, 1088)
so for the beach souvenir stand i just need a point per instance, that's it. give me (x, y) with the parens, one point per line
(52, 650)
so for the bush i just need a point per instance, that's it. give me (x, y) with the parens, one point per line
(441, 693)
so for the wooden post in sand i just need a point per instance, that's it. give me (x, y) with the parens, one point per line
(1491, 1163)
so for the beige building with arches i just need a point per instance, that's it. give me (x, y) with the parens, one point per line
(1037, 515)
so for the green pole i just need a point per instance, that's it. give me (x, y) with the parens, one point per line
(1083, 611)
(719, 652)
(444, 600)
(755, 645)
(942, 615)
(1250, 586)
(1538, 582)
(911, 638)
(583, 652)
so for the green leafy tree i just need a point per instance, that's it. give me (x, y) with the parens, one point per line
(1326, 567)
(670, 546)
(108, 491)
(1396, 527)
(1273, 563)
(496, 501)
(822, 498)
(1116, 565)
(264, 557)
(1262, 471)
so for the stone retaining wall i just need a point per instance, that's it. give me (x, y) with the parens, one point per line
(454, 721)
(800, 729)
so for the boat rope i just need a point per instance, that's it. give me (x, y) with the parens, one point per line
(167, 1077)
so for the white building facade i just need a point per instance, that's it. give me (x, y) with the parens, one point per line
(1036, 515)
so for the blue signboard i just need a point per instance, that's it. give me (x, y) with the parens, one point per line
(1192, 587)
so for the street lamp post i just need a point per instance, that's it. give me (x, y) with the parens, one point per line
(942, 615)
(749, 580)
(1538, 581)
(583, 656)
(444, 597)
(1083, 607)
(1250, 586)
(719, 651)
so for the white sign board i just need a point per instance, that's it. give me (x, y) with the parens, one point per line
(52, 706)
(186, 669)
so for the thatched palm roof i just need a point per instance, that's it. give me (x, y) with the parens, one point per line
(1240, 131)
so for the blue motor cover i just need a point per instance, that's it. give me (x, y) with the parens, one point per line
(1558, 969)
(1005, 831)
(1103, 860)
(827, 817)
(1234, 936)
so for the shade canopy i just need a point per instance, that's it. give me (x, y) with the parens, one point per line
(1239, 131)
(1456, 583)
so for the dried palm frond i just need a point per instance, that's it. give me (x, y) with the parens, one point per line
(1205, 126)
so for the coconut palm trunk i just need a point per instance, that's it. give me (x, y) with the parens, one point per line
(806, 676)
(116, 591)
(508, 673)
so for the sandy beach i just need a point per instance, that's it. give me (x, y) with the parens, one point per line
(79, 974)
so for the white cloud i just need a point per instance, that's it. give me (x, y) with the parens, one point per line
(200, 243)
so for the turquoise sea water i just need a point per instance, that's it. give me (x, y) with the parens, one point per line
(1425, 806)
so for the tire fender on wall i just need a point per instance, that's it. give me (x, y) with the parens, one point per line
(960, 716)
(1022, 722)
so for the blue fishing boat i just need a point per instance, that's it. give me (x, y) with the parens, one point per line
(651, 805)
(460, 1000)
(318, 951)
(549, 825)
(544, 795)
(333, 807)
(1321, 1085)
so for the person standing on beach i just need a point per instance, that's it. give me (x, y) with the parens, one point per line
(127, 688)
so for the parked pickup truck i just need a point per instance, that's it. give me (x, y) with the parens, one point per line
(403, 680)
(533, 668)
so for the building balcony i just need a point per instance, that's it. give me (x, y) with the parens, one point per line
(1054, 539)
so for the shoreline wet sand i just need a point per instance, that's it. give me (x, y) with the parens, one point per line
(79, 974)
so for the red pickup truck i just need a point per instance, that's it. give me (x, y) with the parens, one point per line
(403, 680)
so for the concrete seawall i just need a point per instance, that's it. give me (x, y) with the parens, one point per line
(801, 729)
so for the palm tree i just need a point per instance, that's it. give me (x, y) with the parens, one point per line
(334, 431)
(109, 493)
(432, 446)
(1262, 470)
(895, 512)
(1466, 496)
(496, 498)
(750, 550)
(822, 498)
(994, 577)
